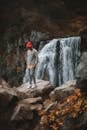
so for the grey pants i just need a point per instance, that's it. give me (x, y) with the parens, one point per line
(32, 75)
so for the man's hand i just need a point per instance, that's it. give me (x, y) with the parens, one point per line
(31, 66)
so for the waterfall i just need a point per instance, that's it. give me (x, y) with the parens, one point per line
(46, 66)
(69, 58)
(60, 71)
(58, 60)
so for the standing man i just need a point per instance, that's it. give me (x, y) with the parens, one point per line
(31, 62)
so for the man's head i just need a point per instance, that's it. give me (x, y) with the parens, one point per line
(29, 45)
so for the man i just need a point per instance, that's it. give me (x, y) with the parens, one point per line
(31, 62)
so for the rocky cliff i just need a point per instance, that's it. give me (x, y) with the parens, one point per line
(43, 108)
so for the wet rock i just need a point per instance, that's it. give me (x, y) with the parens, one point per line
(42, 44)
(37, 37)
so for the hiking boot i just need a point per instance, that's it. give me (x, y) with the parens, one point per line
(34, 86)
(30, 86)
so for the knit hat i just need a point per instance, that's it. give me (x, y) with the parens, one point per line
(29, 44)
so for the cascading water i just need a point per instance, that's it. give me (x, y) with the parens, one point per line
(59, 64)
(46, 66)
(69, 57)
(58, 60)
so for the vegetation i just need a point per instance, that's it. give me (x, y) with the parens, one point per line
(70, 107)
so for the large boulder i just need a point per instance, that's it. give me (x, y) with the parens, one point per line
(43, 89)
(63, 91)
(81, 73)
(25, 108)
(83, 35)
(7, 95)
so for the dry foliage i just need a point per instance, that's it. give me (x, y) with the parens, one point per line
(72, 106)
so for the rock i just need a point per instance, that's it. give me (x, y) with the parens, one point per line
(3, 83)
(25, 108)
(82, 124)
(81, 73)
(83, 35)
(10, 96)
(50, 106)
(43, 89)
(31, 100)
(33, 108)
(7, 95)
(82, 67)
(14, 107)
(63, 91)
(37, 37)
(42, 44)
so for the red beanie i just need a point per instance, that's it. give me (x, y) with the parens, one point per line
(29, 44)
